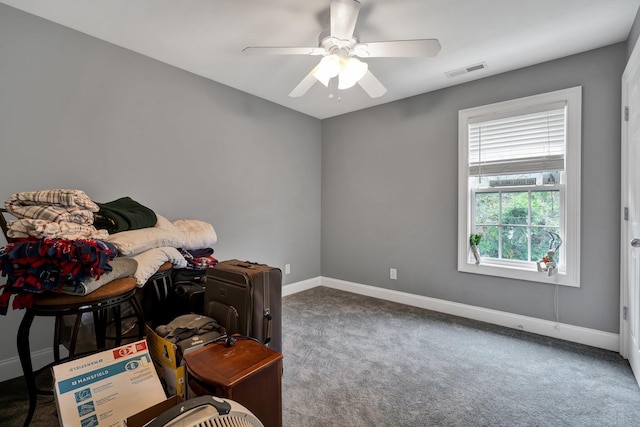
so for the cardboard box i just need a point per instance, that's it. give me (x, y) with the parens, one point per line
(105, 388)
(168, 362)
(144, 417)
(167, 357)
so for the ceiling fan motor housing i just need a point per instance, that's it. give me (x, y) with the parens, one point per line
(334, 45)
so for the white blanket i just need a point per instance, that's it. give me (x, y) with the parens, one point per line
(149, 261)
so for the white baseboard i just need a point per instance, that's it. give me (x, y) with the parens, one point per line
(578, 334)
(11, 368)
(294, 288)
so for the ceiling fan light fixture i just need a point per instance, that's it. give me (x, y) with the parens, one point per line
(351, 71)
(328, 68)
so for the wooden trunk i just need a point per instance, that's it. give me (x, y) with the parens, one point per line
(248, 373)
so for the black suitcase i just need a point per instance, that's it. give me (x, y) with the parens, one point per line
(156, 298)
(255, 292)
(188, 290)
(189, 297)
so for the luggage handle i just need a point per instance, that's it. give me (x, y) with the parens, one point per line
(248, 264)
(267, 325)
(243, 265)
(267, 310)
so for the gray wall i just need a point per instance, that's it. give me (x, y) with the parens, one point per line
(389, 194)
(633, 35)
(76, 112)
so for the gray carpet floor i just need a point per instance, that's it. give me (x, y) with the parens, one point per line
(351, 360)
(357, 361)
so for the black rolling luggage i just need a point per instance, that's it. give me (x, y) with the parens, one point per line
(189, 297)
(188, 290)
(255, 292)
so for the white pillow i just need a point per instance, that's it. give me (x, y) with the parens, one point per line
(149, 261)
(196, 234)
(133, 242)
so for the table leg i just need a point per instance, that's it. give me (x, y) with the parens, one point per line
(100, 325)
(117, 318)
(24, 353)
(137, 308)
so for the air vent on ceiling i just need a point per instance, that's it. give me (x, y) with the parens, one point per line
(465, 70)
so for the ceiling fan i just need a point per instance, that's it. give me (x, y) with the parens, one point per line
(340, 51)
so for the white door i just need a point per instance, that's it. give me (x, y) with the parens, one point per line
(630, 233)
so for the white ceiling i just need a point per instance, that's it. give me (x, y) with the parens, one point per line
(206, 37)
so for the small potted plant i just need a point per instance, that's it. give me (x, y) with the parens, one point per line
(474, 241)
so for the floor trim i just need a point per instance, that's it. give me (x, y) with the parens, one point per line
(304, 285)
(11, 368)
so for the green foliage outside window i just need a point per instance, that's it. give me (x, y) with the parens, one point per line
(514, 224)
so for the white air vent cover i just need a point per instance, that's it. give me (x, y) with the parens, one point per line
(465, 70)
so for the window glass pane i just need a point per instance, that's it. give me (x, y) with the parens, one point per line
(515, 243)
(489, 244)
(540, 243)
(487, 208)
(515, 207)
(545, 208)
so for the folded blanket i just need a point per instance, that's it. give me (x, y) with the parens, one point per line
(196, 234)
(40, 228)
(38, 265)
(150, 261)
(53, 205)
(120, 267)
(199, 259)
(124, 214)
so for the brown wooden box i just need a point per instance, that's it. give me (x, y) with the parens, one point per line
(248, 373)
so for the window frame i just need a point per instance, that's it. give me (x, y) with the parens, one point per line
(569, 273)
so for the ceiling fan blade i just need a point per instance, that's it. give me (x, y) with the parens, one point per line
(372, 85)
(344, 14)
(303, 86)
(400, 48)
(284, 50)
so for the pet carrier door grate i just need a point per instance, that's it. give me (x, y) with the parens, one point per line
(207, 411)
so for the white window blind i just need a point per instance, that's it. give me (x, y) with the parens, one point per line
(519, 143)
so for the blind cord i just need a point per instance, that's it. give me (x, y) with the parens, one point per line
(556, 303)
(480, 153)
(548, 136)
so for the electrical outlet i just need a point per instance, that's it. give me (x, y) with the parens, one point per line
(287, 268)
(393, 274)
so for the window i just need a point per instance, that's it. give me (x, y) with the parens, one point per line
(519, 187)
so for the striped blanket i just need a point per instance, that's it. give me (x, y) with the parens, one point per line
(53, 205)
(40, 228)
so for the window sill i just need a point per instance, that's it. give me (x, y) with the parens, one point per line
(488, 269)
